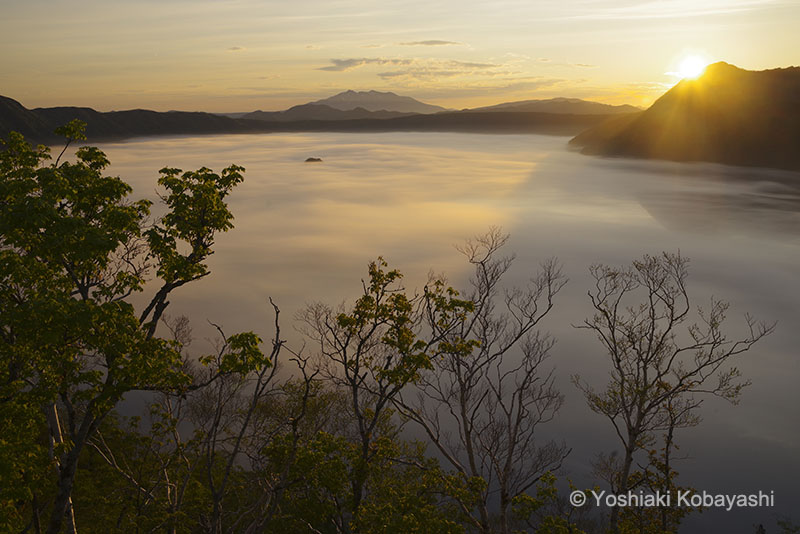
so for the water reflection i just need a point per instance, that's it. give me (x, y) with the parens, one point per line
(305, 233)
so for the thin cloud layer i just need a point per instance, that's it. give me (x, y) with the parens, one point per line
(432, 70)
(416, 67)
(451, 78)
(341, 65)
(431, 42)
(665, 9)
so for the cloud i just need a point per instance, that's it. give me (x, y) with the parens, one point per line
(433, 69)
(492, 86)
(449, 74)
(662, 9)
(340, 65)
(470, 65)
(547, 62)
(420, 74)
(431, 42)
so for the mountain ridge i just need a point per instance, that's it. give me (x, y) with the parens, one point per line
(311, 111)
(561, 105)
(377, 101)
(727, 115)
(37, 125)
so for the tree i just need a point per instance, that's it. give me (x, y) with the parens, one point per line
(547, 512)
(486, 395)
(73, 248)
(404, 490)
(659, 373)
(198, 466)
(374, 350)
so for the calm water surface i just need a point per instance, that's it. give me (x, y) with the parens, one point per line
(305, 232)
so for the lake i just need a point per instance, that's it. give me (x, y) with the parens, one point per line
(305, 232)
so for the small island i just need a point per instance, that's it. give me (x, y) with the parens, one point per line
(313, 160)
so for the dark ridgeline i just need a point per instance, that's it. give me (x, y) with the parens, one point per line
(561, 105)
(475, 122)
(38, 124)
(377, 101)
(728, 115)
(321, 112)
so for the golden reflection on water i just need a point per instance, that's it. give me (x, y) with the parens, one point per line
(305, 232)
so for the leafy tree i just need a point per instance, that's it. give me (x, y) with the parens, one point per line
(73, 248)
(544, 511)
(404, 490)
(787, 526)
(375, 349)
(658, 373)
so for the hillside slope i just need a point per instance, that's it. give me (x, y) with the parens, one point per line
(37, 125)
(727, 115)
(574, 106)
(319, 112)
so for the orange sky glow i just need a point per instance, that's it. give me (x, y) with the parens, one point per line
(242, 55)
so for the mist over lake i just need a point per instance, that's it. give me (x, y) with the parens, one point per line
(304, 232)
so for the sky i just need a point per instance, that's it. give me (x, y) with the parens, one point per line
(242, 55)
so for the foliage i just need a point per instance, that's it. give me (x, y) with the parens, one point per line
(233, 442)
(73, 248)
(374, 350)
(546, 512)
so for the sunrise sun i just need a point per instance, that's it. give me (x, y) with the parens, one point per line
(691, 67)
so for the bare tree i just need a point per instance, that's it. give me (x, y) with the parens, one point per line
(658, 371)
(489, 391)
(235, 408)
(240, 377)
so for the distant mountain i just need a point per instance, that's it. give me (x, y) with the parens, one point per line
(14, 116)
(320, 112)
(727, 115)
(38, 124)
(560, 105)
(452, 121)
(377, 101)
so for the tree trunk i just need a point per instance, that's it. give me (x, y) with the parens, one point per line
(63, 513)
(613, 522)
(504, 503)
(62, 507)
(216, 516)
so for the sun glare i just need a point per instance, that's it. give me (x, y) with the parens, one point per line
(692, 67)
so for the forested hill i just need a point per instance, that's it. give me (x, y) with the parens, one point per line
(728, 115)
(38, 124)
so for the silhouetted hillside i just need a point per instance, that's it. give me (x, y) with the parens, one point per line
(320, 112)
(38, 124)
(561, 105)
(15, 117)
(728, 115)
(477, 122)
